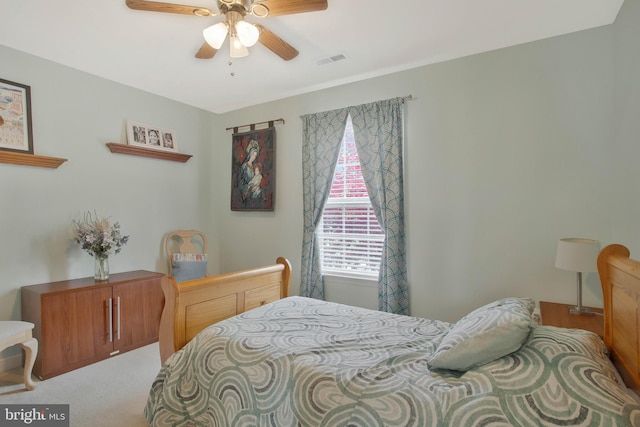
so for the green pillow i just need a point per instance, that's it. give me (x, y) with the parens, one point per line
(487, 333)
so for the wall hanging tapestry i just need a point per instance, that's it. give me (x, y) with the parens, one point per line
(253, 170)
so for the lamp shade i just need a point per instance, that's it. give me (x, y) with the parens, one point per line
(577, 254)
(215, 34)
(247, 33)
(238, 50)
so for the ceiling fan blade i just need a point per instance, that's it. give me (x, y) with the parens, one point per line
(289, 7)
(206, 51)
(276, 45)
(154, 6)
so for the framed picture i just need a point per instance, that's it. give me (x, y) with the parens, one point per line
(148, 136)
(253, 170)
(16, 133)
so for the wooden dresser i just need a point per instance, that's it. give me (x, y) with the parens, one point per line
(81, 321)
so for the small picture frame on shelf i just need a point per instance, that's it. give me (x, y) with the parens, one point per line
(16, 132)
(153, 137)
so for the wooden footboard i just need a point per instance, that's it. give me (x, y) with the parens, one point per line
(195, 304)
(620, 279)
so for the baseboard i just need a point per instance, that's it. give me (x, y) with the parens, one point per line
(10, 362)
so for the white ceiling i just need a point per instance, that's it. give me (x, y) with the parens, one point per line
(155, 51)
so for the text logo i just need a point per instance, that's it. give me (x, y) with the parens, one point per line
(34, 415)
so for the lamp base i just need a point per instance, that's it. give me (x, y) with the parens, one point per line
(584, 311)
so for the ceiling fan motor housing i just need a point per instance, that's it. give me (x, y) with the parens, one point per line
(254, 8)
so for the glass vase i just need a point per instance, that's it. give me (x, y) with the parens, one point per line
(101, 267)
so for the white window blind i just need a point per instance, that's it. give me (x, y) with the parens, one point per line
(349, 234)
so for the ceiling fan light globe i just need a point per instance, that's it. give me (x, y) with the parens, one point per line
(247, 33)
(216, 34)
(238, 50)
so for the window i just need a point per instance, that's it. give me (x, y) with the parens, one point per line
(349, 234)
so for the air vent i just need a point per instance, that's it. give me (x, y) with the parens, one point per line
(331, 59)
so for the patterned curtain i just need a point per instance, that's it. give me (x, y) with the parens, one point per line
(378, 135)
(322, 133)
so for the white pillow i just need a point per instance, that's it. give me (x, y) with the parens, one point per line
(487, 333)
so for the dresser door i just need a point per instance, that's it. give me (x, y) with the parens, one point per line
(138, 308)
(75, 328)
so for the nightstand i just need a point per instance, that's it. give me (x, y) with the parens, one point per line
(555, 314)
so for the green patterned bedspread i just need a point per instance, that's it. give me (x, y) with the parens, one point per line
(303, 362)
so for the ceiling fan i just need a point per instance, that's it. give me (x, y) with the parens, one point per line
(242, 34)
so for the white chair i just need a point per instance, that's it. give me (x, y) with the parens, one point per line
(14, 332)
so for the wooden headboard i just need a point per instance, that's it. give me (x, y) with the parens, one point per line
(620, 279)
(193, 305)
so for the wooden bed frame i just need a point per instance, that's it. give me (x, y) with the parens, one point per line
(195, 304)
(620, 279)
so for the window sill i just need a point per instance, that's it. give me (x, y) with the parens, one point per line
(351, 280)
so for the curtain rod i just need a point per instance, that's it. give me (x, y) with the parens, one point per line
(405, 98)
(253, 125)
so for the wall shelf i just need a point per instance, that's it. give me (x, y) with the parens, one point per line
(16, 158)
(147, 152)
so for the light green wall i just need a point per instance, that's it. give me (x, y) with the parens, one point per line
(625, 175)
(506, 152)
(74, 115)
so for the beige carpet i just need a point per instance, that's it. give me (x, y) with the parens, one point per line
(109, 393)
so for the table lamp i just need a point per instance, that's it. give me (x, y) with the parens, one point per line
(578, 255)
